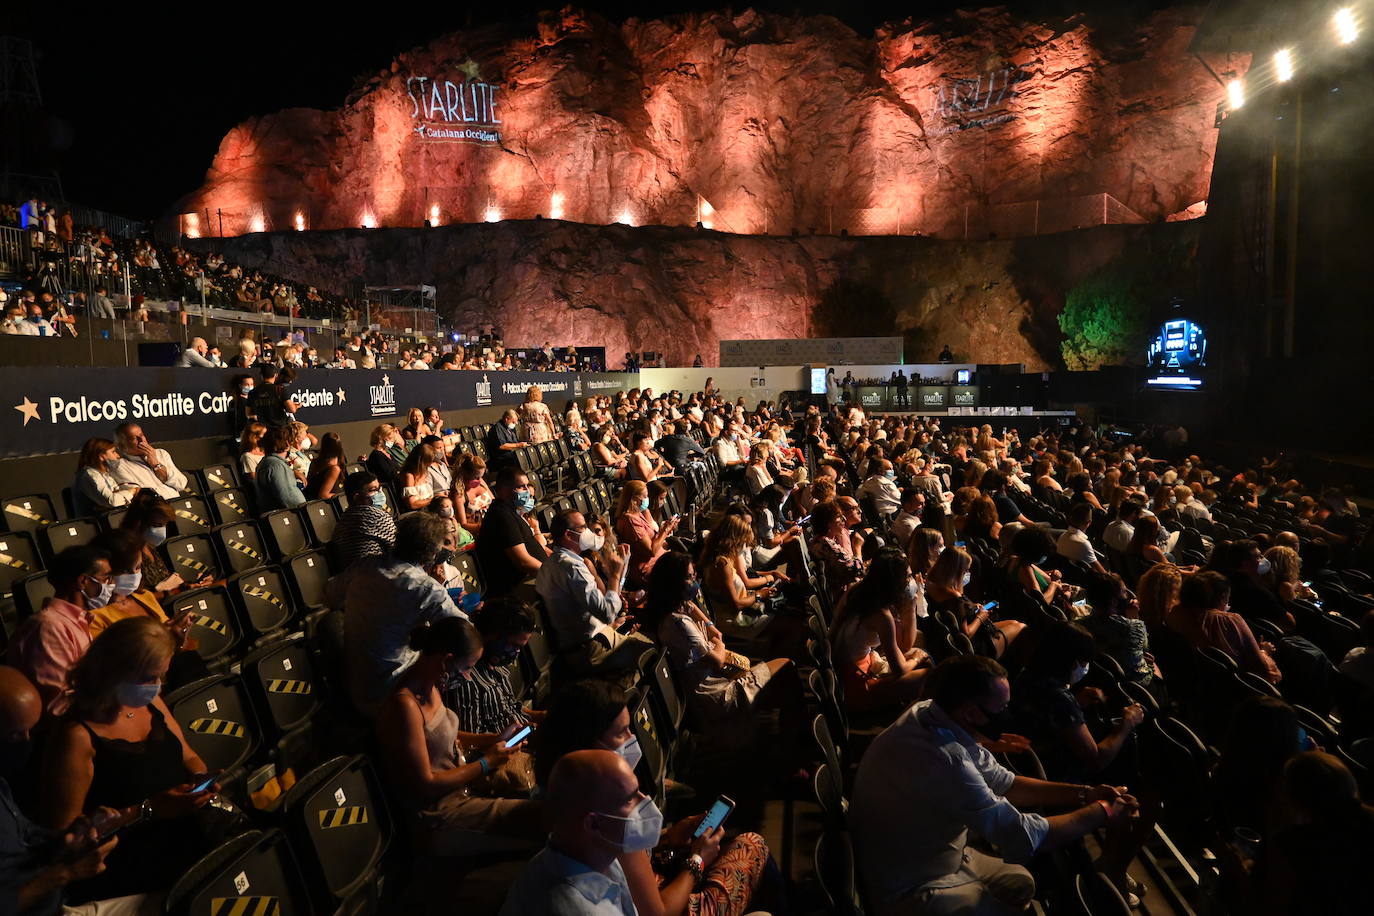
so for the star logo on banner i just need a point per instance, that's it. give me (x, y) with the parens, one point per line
(470, 68)
(29, 409)
(385, 380)
(421, 130)
(342, 397)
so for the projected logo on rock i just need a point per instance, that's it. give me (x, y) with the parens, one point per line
(463, 112)
(962, 103)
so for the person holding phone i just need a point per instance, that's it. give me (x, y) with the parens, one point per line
(119, 747)
(442, 773)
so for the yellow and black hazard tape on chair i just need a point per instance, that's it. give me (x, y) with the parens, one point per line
(230, 502)
(14, 509)
(350, 816)
(210, 623)
(208, 726)
(287, 685)
(245, 906)
(263, 594)
(13, 562)
(216, 479)
(243, 549)
(192, 564)
(192, 517)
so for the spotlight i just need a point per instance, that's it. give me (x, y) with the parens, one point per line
(300, 221)
(1283, 65)
(493, 215)
(1347, 29)
(1235, 94)
(626, 217)
(369, 221)
(258, 224)
(555, 205)
(434, 214)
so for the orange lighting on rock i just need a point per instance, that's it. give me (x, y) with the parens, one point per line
(369, 221)
(706, 213)
(1235, 94)
(258, 224)
(492, 214)
(556, 205)
(300, 221)
(192, 225)
(434, 214)
(625, 217)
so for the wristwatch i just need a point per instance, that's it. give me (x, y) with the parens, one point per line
(697, 866)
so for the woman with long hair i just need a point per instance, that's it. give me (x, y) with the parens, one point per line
(95, 489)
(324, 480)
(416, 490)
(634, 526)
(874, 635)
(945, 585)
(1158, 593)
(251, 451)
(148, 516)
(471, 495)
(382, 460)
(119, 747)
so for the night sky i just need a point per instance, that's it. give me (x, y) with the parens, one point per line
(139, 98)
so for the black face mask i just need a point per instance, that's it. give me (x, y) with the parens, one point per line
(443, 556)
(501, 656)
(14, 756)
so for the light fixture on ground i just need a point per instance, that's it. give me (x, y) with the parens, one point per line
(257, 224)
(556, 205)
(1235, 94)
(1347, 29)
(1283, 65)
(625, 217)
(492, 214)
(300, 221)
(434, 214)
(369, 221)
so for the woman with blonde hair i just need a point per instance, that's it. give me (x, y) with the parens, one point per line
(636, 527)
(1157, 593)
(298, 435)
(382, 460)
(1285, 566)
(534, 413)
(471, 495)
(945, 584)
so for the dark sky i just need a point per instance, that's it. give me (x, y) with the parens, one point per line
(141, 102)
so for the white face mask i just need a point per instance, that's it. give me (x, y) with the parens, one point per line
(127, 583)
(588, 540)
(107, 591)
(631, 752)
(136, 695)
(909, 593)
(640, 831)
(968, 577)
(1078, 673)
(304, 443)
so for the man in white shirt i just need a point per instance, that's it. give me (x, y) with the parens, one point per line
(880, 486)
(908, 518)
(1119, 533)
(926, 782)
(140, 463)
(1190, 505)
(585, 617)
(195, 355)
(1074, 544)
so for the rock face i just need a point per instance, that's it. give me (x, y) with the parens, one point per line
(681, 291)
(977, 124)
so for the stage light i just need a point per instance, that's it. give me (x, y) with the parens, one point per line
(555, 205)
(493, 214)
(193, 225)
(626, 217)
(1283, 65)
(1347, 29)
(258, 224)
(706, 211)
(434, 214)
(1235, 94)
(300, 221)
(369, 221)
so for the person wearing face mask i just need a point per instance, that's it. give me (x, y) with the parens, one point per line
(45, 646)
(366, 529)
(928, 781)
(382, 460)
(96, 490)
(275, 480)
(881, 486)
(635, 526)
(1248, 571)
(441, 770)
(1052, 707)
(585, 614)
(485, 701)
(945, 585)
(874, 637)
(503, 439)
(120, 747)
(593, 715)
(385, 599)
(509, 548)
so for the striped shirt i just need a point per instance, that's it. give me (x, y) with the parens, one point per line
(363, 531)
(484, 701)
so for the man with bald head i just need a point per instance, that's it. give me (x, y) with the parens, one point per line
(195, 355)
(35, 863)
(596, 812)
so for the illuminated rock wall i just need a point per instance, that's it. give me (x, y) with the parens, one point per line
(681, 291)
(980, 124)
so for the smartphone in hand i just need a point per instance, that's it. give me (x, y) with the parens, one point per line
(715, 817)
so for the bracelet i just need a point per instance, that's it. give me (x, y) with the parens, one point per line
(697, 866)
(1106, 809)
(486, 767)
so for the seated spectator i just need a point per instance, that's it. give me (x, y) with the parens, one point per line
(416, 490)
(835, 547)
(472, 496)
(41, 863)
(586, 614)
(636, 527)
(386, 598)
(1121, 530)
(593, 715)
(510, 548)
(382, 461)
(772, 532)
(1158, 593)
(1143, 550)
(1358, 664)
(1193, 506)
(300, 443)
(1262, 736)
(609, 463)
(1114, 620)
(597, 814)
(1030, 549)
(727, 450)
(276, 481)
(1203, 617)
(881, 487)
(1316, 866)
(923, 550)
(118, 746)
(724, 690)
(195, 355)
(143, 464)
(908, 517)
(366, 529)
(324, 478)
(677, 449)
(981, 522)
(251, 451)
(416, 428)
(45, 646)
(96, 490)
(1248, 571)
(443, 793)
(1285, 567)
(457, 537)
(874, 637)
(757, 476)
(743, 604)
(1049, 707)
(643, 464)
(147, 517)
(503, 441)
(484, 700)
(927, 780)
(1074, 545)
(440, 474)
(945, 586)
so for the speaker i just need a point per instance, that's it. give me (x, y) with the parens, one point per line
(159, 353)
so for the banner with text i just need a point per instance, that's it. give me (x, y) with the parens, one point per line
(57, 410)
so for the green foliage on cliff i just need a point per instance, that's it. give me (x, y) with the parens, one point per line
(1105, 317)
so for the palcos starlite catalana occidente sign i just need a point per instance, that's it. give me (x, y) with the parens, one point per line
(464, 111)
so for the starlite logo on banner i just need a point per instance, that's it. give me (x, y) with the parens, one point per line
(382, 398)
(483, 390)
(464, 112)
